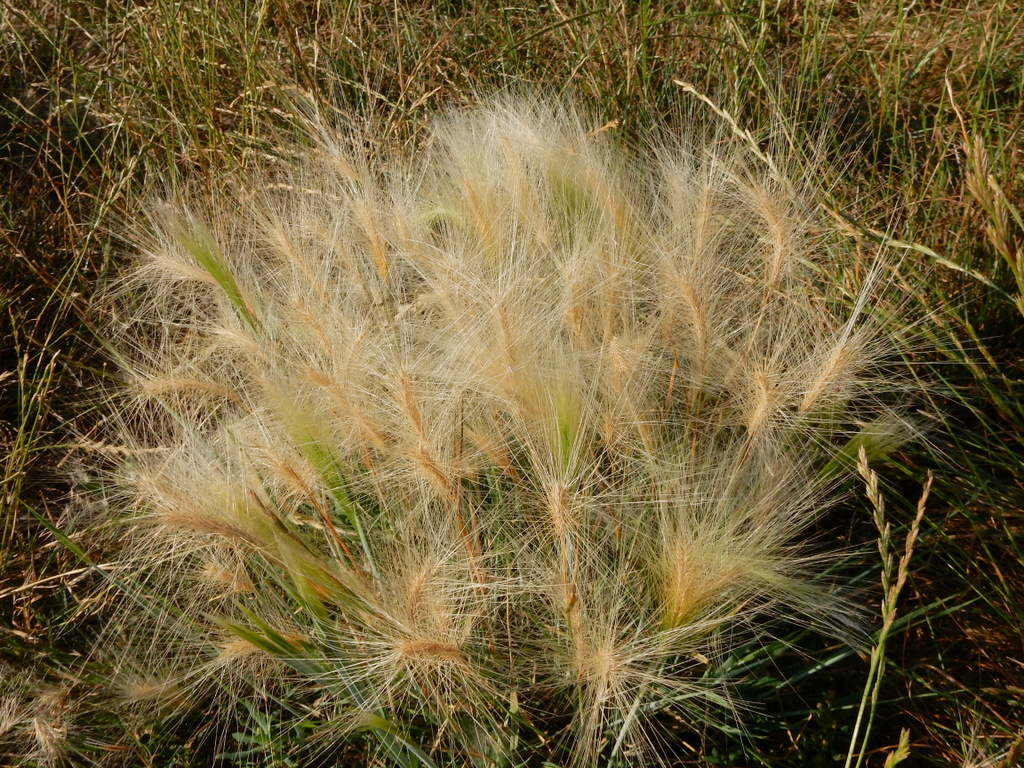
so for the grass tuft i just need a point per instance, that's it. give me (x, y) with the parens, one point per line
(641, 336)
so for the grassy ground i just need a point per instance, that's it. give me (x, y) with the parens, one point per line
(922, 107)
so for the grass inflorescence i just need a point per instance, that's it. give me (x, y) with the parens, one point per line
(520, 428)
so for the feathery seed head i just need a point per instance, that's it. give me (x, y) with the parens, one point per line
(520, 412)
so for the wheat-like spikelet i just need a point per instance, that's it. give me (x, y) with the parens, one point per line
(509, 429)
(38, 721)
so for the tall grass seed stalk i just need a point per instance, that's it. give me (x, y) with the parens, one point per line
(496, 446)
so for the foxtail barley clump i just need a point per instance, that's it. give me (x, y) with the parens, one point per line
(497, 445)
